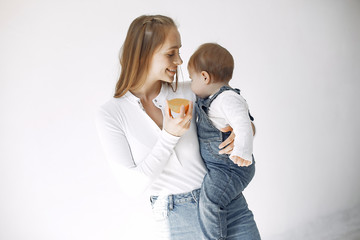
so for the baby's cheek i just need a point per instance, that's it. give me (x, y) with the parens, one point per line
(193, 87)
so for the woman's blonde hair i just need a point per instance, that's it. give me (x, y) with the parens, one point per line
(214, 59)
(146, 33)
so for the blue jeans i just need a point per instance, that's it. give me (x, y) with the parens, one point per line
(239, 221)
(176, 216)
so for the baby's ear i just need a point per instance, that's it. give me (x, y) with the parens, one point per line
(206, 77)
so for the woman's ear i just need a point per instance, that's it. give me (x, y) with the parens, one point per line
(206, 77)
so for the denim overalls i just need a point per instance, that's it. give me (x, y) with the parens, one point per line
(224, 181)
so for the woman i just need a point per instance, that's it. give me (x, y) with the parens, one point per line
(149, 148)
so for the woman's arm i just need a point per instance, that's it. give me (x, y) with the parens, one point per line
(229, 142)
(136, 177)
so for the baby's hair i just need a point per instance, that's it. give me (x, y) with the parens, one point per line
(215, 60)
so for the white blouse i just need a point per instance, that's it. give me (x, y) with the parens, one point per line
(141, 154)
(230, 108)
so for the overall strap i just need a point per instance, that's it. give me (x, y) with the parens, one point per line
(205, 103)
(222, 89)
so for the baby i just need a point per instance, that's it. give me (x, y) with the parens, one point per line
(218, 105)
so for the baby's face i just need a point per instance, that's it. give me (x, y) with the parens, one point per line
(198, 85)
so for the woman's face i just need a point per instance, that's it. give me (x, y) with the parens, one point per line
(164, 62)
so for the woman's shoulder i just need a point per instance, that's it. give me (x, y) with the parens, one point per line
(112, 103)
(113, 106)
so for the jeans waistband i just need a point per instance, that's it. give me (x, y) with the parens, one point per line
(179, 198)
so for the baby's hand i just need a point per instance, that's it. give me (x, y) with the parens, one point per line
(240, 161)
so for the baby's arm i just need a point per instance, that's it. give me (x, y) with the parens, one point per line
(235, 111)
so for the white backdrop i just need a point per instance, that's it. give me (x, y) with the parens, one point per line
(297, 63)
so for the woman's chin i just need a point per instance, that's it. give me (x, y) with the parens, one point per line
(169, 79)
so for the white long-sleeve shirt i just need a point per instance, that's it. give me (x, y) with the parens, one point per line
(141, 154)
(230, 108)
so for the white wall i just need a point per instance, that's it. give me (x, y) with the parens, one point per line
(297, 63)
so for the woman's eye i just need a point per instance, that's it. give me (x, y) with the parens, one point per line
(173, 54)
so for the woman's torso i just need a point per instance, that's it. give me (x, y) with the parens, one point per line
(185, 169)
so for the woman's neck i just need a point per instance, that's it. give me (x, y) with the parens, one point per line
(148, 91)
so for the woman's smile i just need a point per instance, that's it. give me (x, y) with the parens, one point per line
(172, 72)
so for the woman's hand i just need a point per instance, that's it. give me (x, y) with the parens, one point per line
(179, 125)
(229, 142)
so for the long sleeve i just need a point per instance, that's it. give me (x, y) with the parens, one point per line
(235, 111)
(141, 155)
(133, 177)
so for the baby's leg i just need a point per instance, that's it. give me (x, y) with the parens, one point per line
(212, 205)
(241, 223)
(242, 177)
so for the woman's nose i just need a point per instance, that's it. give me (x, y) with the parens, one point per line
(178, 60)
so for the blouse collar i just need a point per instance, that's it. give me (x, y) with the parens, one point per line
(158, 101)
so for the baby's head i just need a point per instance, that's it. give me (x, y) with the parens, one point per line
(209, 67)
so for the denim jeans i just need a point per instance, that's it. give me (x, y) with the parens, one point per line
(221, 191)
(240, 221)
(176, 216)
